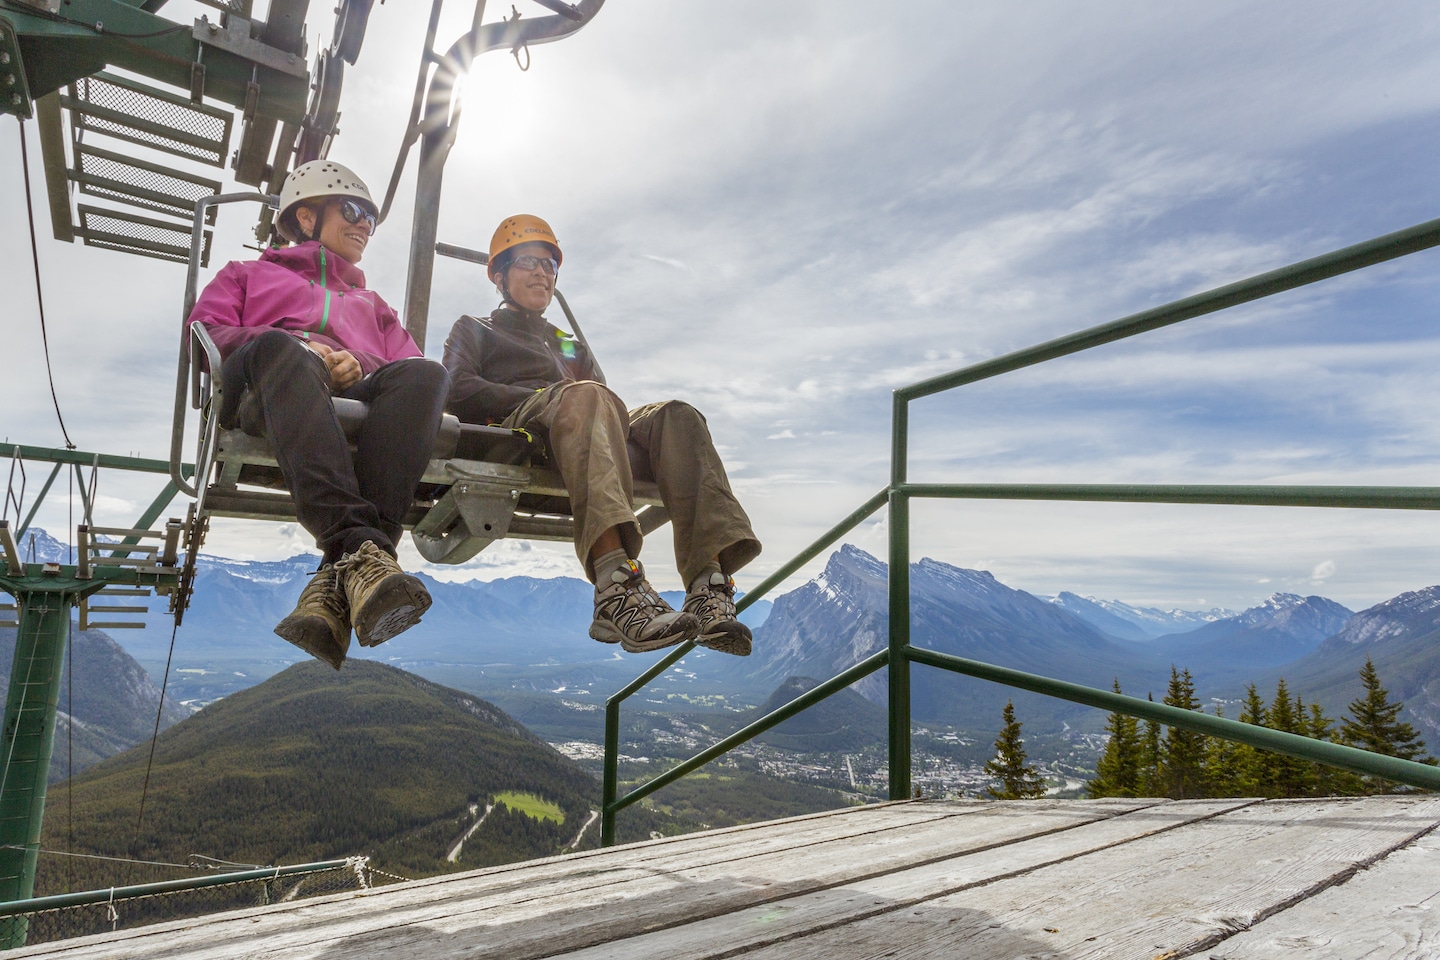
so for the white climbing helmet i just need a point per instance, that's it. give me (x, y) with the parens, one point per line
(311, 181)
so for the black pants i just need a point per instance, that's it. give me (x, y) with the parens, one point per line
(342, 500)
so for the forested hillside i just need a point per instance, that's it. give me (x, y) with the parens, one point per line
(314, 765)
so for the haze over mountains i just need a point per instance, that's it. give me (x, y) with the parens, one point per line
(527, 636)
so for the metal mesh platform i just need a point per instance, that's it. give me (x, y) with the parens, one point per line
(113, 230)
(126, 110)
(112, 176)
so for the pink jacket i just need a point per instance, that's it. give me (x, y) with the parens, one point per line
(310, 291)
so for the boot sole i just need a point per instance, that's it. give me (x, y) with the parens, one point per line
(606, 632)
(314, 636)
(396, 606)
(734, 642)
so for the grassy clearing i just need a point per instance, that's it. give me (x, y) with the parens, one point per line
(531, 805)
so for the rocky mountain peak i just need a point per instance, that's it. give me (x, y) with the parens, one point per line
(1412, 614)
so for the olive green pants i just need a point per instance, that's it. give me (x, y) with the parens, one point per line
(599, 447)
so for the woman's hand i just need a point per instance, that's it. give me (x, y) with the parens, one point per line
(341, 365)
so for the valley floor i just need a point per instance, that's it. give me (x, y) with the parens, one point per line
(1046, 878)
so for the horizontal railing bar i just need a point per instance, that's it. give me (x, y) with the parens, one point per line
(811, 697)
(1344, 260)
(138, 464)
(1277, 741)
(1382, 498)
(36, 904)
(112, 625)
(115, 608)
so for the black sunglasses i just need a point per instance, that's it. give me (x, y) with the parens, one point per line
(546, 264)
(354, 213)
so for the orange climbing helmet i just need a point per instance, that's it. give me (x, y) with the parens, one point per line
(521, 228)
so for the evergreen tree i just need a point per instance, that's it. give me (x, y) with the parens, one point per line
(1182, 762)
(1018, 780)
(1285, 776)
(1374, 725)
(1150, 781)
(1249, 762)
(1330, 781)
(1117, 773)
(1223, 765)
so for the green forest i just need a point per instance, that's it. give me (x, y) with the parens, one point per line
(1147, 759)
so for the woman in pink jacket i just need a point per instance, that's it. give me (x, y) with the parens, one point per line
(294, 328)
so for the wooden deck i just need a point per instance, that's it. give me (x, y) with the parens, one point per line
(966, 879)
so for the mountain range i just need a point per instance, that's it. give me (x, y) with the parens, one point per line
(522, 642)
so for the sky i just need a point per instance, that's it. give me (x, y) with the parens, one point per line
(783, 212)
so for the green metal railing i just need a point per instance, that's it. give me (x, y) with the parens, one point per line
(899, 653)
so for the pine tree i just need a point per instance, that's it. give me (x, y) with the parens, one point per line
(1286, 776)
(1249, 762)
(1330, 781)
(1223, 765)
(1374, 725)
(1150, 778)
(1117, 773)
(1182, 761)
(1018, 780)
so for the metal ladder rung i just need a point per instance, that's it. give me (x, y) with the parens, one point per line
(114, 608)
(123, 592)
(127, 532)
(96, 625)
(146, 548)
(124, 562)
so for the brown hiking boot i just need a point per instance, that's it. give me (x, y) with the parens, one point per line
(714, 606)
(385, 601)
(320, 622)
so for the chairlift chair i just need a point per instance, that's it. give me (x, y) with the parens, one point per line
(484, 483)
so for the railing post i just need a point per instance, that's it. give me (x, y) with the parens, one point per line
(610, 789)
(899, 613)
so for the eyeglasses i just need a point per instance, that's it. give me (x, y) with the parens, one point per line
(547, 264)
(354, 213)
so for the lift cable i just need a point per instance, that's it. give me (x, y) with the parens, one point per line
(39, 297)
(159, 712)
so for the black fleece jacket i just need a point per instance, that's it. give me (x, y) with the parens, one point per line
(496, 362)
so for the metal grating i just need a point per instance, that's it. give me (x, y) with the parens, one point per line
(127, 233)
(111, 176)
(126, 110)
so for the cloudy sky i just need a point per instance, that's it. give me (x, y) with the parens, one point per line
(783, 211)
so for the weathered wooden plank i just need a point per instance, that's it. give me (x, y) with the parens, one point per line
(599, 901)
(1166, 896)
(526, 878)
(798, 916)
(1390, 911)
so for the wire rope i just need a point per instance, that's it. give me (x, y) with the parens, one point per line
(39, 297)
(150, 763)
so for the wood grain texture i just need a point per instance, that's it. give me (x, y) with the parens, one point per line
(1169, 895)
(1390, 911)
(567, 903)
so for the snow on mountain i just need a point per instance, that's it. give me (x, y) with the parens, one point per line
(1119, 619)
(1408, 615)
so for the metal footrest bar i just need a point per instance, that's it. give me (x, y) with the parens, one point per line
(143, 236)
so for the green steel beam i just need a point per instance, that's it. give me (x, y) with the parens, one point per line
(96, 33)
(609, 786)
(899, 642)
(1263, 738)
(28, 737)
(1375, 498)
(63, 900)
(20, 531)
(1345, 260)
(779, 715)
(45, 595)
(108, 460)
